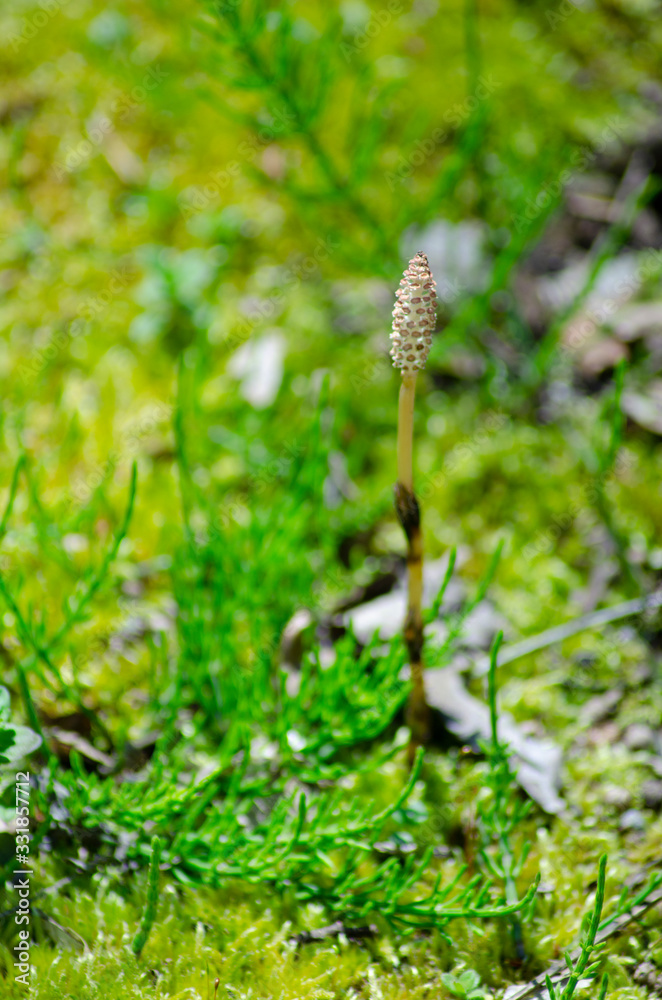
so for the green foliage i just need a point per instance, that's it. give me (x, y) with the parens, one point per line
(271, 183)
(298, 70)
(504, 811)
(151, 902)
(262, 814)
(229, 634)
(629, 900)
(584, 966)
(442, 652)
(465, 986)
(16, 742)
(40, 648)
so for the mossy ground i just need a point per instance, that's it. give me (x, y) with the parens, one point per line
(101, 233)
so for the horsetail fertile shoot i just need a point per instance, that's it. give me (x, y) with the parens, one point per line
(414, 318)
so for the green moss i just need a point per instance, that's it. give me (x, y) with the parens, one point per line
(100, 231)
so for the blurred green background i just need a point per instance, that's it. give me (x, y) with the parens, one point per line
(205, 212)
(178, 192)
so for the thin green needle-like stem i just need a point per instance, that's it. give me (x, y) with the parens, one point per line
(151, 903)
(589, 942)
(12, 496)
(278, 85)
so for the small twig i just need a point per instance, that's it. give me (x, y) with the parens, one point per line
(335, 930)
(551, 636)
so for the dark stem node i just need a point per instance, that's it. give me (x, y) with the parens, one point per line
(407, 509)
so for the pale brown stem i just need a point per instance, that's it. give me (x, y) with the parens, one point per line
(406, 505)
(406, 430)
